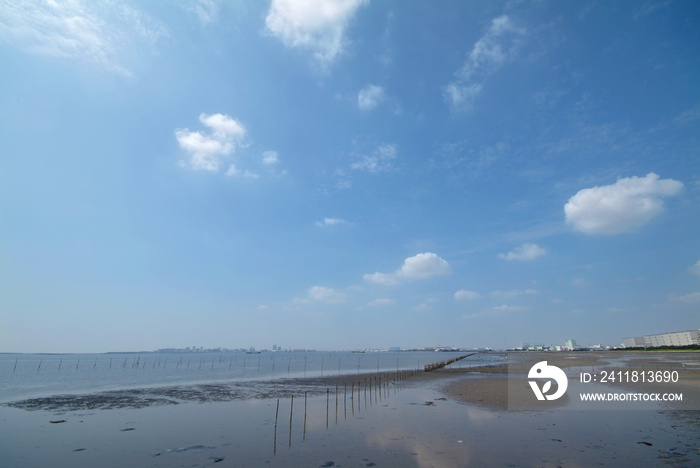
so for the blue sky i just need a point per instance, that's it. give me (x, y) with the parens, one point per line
(348, 174)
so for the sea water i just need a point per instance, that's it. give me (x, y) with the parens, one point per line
(35, 375)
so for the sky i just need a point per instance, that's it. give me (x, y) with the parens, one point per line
(347, 174)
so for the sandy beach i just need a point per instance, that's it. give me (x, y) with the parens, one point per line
(448, 417)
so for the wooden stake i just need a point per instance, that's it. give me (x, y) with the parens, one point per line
(291, 413)
(276, 413)
(327, 398)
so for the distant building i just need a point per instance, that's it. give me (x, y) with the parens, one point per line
(570, 345)
(634, 342)
(682, 338)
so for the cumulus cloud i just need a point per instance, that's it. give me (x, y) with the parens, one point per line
(270, 158)
(422, 307)
(494, 49)
(525, 252)
(380, 160)
(233, 171)
(624, 206)
(330, 222)
(692, 298)
(370, 97)
(326, 295)
(695, 268)
(421, 266)
(76, 30)
(387, 279)
(463, 294)
(207, 150)
(315, 25)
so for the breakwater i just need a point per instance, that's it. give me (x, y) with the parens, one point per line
(441, 364)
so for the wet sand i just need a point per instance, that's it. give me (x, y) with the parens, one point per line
(442, 418)
(488, 387)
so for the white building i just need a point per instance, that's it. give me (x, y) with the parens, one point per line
(634, 342)
(683, 338)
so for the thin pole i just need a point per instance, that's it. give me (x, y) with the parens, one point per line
(274, 450)
(291, 413)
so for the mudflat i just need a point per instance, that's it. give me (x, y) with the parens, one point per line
(444, 418)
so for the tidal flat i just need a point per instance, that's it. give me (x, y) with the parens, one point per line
(444, 418)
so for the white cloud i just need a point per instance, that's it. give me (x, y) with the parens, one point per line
(423, 307)
(379, 161)
(421, 266)
(514, 293)
(330, 222)
(462, 95)
(222, 126)
(381, 302)
(525, 252)
(387, 279)
(370, 97)
(270, 158)
(494, 49)
(692, 298)
(463, 294)
(73, 29)
(695, 268)
(207, 151)
(206, 10)
(326, 295)
(233, 171)
(316, 25)
(624, 206)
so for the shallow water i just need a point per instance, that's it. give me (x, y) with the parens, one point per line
(405, 425)
(36, 375)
